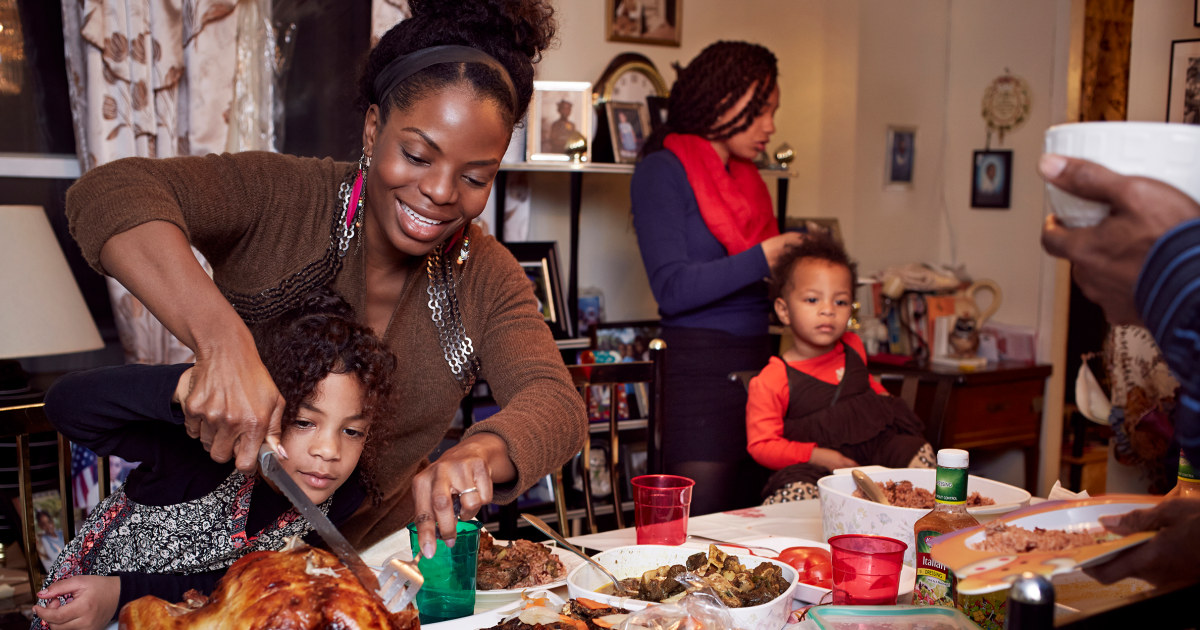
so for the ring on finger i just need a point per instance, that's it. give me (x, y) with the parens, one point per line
(468, 490)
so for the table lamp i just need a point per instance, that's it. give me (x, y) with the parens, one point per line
(42, 311)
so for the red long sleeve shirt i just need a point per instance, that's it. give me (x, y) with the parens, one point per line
(768, 403)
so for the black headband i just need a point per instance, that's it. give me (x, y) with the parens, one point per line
(405, 66)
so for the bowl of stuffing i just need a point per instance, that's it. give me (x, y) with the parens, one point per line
(844, 510)
(757, 591)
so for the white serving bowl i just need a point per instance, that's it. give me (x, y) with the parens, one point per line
(634, 560)
(844, 513)
(1163, 151)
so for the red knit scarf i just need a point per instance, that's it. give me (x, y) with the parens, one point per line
(734, 203)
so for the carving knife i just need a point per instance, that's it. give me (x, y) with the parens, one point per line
(269, 463)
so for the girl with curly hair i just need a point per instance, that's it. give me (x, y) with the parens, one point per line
(708, 238)
(815, 407)
(439, 96)
(181, 519)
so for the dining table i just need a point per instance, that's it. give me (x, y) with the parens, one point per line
(791, 519)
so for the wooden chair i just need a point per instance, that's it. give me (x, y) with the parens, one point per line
(19, 419)
(613, 376)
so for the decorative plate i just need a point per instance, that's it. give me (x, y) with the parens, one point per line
(986, 571)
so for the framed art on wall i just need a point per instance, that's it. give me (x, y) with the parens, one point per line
(558, 111)
(643, 21)
(628, 126)
(901, 155)
(1183, 87)
(539, 260)
(991, 179)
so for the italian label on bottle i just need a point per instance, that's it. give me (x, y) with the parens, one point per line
(951, 486)
(1189, 485)
(1186, 472)
(933, 578)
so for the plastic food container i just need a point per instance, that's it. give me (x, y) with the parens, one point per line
(632, 561)
(843, 513)
(891, 617)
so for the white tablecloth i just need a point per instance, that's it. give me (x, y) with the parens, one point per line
(795, 519)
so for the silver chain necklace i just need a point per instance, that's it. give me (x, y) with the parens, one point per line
(457, 347)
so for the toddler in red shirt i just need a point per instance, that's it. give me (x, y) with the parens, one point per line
(817, 408)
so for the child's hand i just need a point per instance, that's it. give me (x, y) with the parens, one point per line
(831, 459)
(91, 602)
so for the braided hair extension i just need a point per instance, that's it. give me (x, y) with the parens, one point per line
(320, 337)
(514, 32)
(711, 85)
(817, 245)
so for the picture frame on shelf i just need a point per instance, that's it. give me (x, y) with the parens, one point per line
(539, 260)
(557, 111)
(658, 109)
(901, 157)
(628, 127)
(591, 310)
(991, 179)
(1183, 86)
(643, 21)
(624, 340)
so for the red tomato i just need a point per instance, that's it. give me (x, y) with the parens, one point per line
(814, 564)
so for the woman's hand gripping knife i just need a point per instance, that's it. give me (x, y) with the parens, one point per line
(231, 404)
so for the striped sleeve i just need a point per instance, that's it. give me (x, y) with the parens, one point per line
(1168, 299)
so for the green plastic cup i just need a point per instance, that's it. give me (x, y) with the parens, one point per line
(449, 589)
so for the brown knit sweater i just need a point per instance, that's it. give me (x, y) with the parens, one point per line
(261, 217)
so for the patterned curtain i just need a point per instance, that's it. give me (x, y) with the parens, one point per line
(149, 78)
(1107, 37)
(1141, 389)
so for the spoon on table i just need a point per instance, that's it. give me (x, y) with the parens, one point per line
(869, 488)
(618, 588)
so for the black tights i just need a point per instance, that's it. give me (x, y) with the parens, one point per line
(722, 486)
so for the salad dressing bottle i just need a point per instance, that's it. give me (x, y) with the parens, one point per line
(1189, 484)
(935, 581)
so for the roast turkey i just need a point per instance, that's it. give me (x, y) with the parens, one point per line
(304, 588)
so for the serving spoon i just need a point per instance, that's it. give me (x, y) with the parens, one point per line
(618, 589)
(869, 488)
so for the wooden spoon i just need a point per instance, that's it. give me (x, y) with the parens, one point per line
(869, 488)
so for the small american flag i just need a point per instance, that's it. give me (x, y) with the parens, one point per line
(84, 478)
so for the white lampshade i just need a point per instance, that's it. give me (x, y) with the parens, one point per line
(42, 311)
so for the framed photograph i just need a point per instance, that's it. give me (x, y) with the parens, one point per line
(808, 225)
(591, 310)
(539, 260)
(621, 341)
(901, 153)
(643, 21)
(991, 179)
(1183, 89)
(658, 109)
(628, 126)
(558, 111)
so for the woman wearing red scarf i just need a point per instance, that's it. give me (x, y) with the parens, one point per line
(708, 238)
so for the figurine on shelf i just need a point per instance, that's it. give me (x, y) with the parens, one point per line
(964, 337)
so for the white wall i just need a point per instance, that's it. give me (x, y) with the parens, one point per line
(849, 68)
(1155, 24)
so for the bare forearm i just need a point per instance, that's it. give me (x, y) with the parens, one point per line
(155, 262)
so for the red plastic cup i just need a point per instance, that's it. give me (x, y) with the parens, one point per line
(661, 506)
(866, 569)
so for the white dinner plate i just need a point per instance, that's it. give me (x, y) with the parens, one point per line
(489, 599)
(489, 618)
(981, 571)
